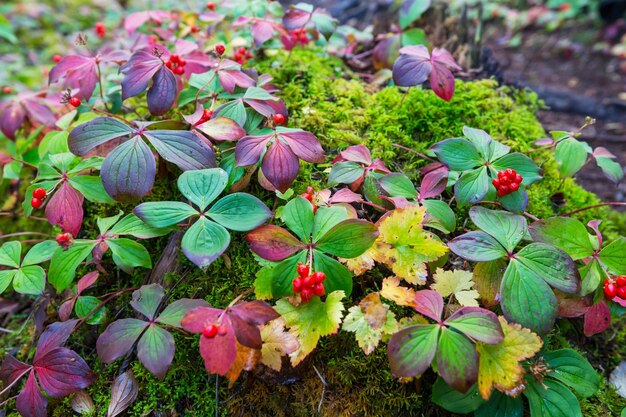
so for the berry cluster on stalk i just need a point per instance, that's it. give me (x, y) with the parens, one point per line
(242, 55)
(307, 284)
(615, 287)
(508, 182)
(299, 36)
(176, 64)
(39, 195)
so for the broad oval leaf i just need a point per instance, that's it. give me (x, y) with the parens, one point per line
(569, 367)
(472, 186)
(128, 171)
(65, 209)
(429, 303)
(345, 173)
(458, 154)
(477, 323)
(163, 92)
(63, 263)
(240, 212)
(565, 233)
(273, 243)
(164, 213)
(454, 401)
(117, 340)
(457, 360)
(29, 280)
(203, 186)
(552, 265)
(123, 393)
(182, 147)
(411, 350)
(348, 239)
(86, 136)
(522, 164)
(156, 350)
(204, 242)
(550, 399)
(477, 246)
(507, 228)
(412, 67)
(61, 371)
(146, 300)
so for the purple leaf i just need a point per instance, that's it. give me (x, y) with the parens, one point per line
(119, 338)
(594, 225)
(162, 94)
(477, 323)
(222, 128)
(174, 313)
(262, 30)
(429, 303)
(230, 75)
(273, 243)
(442, 81)
(138, 72)
(156, 350)
(61, 372)
(31, 402)
(280, 165)
(345, 195)
(85, 137)
(443, 57)
(183, 148)
(246, 318)
(128, 171)
(412, 67)
(12, 370)
(295, 18)
(597, 319)
(249, 149)
(65, 209)
(134, 20)
(356, 153)
(412, 350)
(11, 118)
(304, 144)
(146, 300)
(434, 183)
(123, 393)
(87, 281)
(77, 72)
(53, 337)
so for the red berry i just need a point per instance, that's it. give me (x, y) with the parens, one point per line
(279, 118)
(63, 238)
(174, 58)
(210, 5)
(169, 64)
(57, 58)
(7, 90)
(510, 172)
(501, 174)
(296, 284)
(210, 331)
(308, 281)
(307, 196)
(182, 62)
(306, 295)
(100, 29)
(504, 179)
(74, 101)
(303, 269)
(319, 277)
(241, 50)
(36, 202)
(194, 29)
(40, 193)
(496, 182)
(303, 39)
(318, 289)
(620, 281)
(222, 330)
(518, 178)
(610, 290)
(179, 70)
(621, 293)
(220, 49)
(606, 281)
(514, 186)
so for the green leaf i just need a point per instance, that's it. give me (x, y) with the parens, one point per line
(439, 215)
(458, 154)
(54, 142)
(85, 305)
(257, 93)
(91, 187)
(414, 36)
(10, 254)
(128, 254)
(345, 173)
(552, 265)
(164, 213)
(337, 275)
(571, 156)
(454, 401)
(515, 202)
(155, 350)
(348, 239)
(63, 263)
(174, 313)
(240, 212)
(612, 256)
(105, 223)
(500, 405)
(489, 149)
(457, 360)
(527, 300)
(477, 246)
(472, 186)
(6, 31)
(565, 233)
(40, 253)
(398, 185)
(591, 275)
(550, 399)
(326, 218)
(282, 275)
(298, 216)
(204, 242)
(310, 321)
(203, 186)
(134, 226)
(522, 164)
(569, 367)
(412, 349)
(412, 10)
(507, 228)
(611, 169)
(29, 280)
(5, 279)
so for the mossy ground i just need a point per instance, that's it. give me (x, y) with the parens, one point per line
(341, 110)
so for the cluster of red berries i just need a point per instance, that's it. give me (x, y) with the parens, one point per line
(220, 49)
(64, 239)
(7, 90)
(100, 30)
(299, 36)
(39, 194)
(279, 119)
(615, 287)
(211, 6)
(211, 330)
(308, 285)
(176, 64)
(242, 55)
(309, 196)
(508, 182)
(206, 116)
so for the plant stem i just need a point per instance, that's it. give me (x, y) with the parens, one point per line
(24, 234)
(613, 203)
(100, 84)
(195, 100)
(102, 304)
(24, 162)
(421, 155)
(525, 213)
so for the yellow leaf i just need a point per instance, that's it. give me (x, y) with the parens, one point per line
(402, 296)
(487, 278)
(360, 264)
(368, 337)
(499, 364)
(245, 360)
(276, 343)
(458, 283)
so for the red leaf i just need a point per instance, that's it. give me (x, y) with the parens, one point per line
(12, 369)
(273, 242)
(246, 318)
(356, 153)
(31, 402)
(77, 72)
(61, 372)
(65, 209)
(429, 303)
(53, 337)
(261, 30)
(280, 165)
(304, 144)
(434, 182)
(442, 81)
(597, 319)
(295, 18)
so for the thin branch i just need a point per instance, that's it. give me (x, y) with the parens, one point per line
(24, 234)
(324, 385)
(421, 155)
(496, 203)
(613, 203)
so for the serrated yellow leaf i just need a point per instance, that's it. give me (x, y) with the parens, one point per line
(277, 342)
(308, 322)
(392, 290)
(368, 337)
(458, 283)
(499, 364)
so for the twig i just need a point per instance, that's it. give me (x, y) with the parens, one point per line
(324, 385)
(24, 234)
(525, 213)
(421, 155)
(613, 203)
(217, 397)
